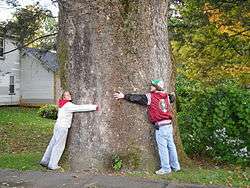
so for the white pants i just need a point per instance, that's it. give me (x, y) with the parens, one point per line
(55, 148)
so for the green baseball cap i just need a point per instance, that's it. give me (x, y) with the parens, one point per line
(158, 84)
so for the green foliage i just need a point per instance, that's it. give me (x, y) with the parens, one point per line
(29, 23)
(210, 40)
(116, 162)
(48, 111)
(215, 121)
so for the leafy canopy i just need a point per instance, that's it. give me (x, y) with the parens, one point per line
(29, 23)
(210, 39)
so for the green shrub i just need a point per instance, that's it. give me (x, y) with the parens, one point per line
(116, 162)
(215, 121)
(48, 111)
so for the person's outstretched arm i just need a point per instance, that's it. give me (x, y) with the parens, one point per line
(80, 108)
(172, 97)
(134, 98)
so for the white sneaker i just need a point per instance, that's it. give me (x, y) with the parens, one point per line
(55, 168)
(162, 172)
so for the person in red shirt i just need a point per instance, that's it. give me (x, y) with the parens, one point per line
(159, 114)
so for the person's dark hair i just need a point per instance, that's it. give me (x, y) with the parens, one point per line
(62, 96)
(157, 87)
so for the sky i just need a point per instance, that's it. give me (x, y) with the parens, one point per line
(5, 10)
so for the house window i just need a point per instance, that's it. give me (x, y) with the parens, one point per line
(1, 47)
(12, 86)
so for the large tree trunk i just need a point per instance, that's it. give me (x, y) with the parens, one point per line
(106, 46)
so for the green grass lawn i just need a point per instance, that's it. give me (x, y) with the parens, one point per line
(231, 177)
(25, 135)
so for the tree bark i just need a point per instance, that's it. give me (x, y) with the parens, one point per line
(106, 46)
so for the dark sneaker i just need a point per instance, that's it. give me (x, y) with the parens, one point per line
(43, 164)
(176, 169)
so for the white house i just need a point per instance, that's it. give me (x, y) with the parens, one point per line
(27, 77)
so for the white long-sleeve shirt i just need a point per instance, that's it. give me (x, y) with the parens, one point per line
(65, 113)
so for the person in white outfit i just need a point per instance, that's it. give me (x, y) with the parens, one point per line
(57, 143)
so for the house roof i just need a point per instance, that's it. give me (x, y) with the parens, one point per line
(48, 58)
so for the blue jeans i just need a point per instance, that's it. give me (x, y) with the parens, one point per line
(166, 148)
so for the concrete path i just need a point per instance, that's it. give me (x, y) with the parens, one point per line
(35, 179)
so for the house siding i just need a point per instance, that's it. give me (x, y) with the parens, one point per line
(9, 66)
(34, 79)
(37, 82)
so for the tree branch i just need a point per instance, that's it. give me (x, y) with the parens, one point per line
(22, 46)
(239, 33)
(234, 48)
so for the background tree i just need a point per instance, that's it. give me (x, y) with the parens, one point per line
(30, 23)
(105, 46)
(210, 40)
